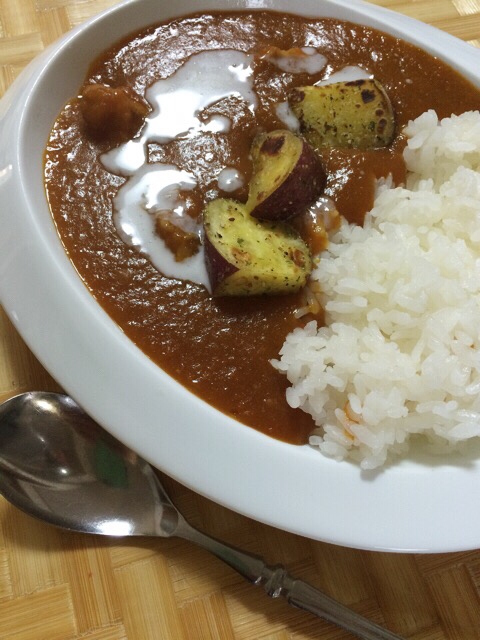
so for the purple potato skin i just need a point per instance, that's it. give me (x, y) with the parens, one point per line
(218, 268)
(301, 188)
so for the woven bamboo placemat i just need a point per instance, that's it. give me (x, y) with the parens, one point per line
(62, 586)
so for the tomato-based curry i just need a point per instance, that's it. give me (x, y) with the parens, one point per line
(220, 348)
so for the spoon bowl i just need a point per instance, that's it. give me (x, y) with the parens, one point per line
(57, 464)
(60, 466)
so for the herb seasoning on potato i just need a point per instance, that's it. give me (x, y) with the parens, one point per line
(248, 257)
(356, 114)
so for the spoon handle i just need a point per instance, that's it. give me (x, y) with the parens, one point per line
(276, 582)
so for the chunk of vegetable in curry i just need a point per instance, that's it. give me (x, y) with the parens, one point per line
(247, 257)
(110, 114)
(355, 114)
(287, 176)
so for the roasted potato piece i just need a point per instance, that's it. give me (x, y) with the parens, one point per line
(287, 176)
(344, 114)
(246, 257)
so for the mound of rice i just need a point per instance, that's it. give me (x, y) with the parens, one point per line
(400, 352)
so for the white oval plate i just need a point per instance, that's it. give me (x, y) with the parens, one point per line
(415, 505)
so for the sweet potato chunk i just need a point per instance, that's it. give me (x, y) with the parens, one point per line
(287, 176)
(111, 114)
(247, 257)
(344, 114)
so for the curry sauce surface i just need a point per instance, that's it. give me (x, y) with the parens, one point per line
(220, 348)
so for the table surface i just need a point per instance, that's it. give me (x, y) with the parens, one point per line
(56, 585)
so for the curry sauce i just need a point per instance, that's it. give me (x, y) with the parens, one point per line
(220, 348)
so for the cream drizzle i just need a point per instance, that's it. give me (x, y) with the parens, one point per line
(177, 104)
(156, 189)
(347, 74)
(310, 62)
(229, 179)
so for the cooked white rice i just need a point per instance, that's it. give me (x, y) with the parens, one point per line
(400, 352)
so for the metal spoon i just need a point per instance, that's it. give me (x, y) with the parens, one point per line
(58, 465)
